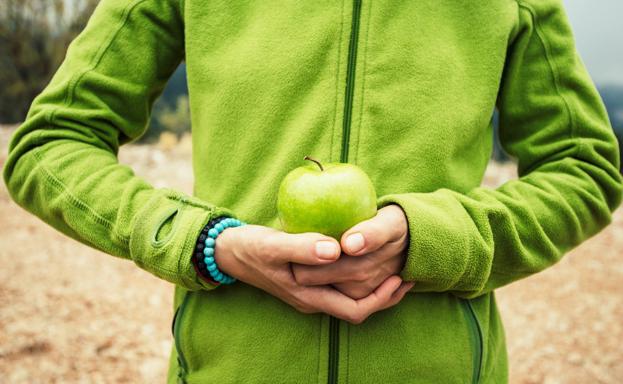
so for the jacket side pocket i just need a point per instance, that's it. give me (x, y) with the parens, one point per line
(475, 335)
(175, 329)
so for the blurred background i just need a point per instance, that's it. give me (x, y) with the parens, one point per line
(69, 313)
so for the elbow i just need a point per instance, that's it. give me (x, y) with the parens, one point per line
(609, 177)
(13, 173)
(596, 167)
(21, 163)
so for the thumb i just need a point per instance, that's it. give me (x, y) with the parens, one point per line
(303, 248)
(389, 224)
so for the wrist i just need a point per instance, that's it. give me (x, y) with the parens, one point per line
(204, 259)
(199, 256)
(225, 253)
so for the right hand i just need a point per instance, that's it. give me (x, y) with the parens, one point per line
(261, 256)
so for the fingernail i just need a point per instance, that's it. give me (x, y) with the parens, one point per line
(354, 242)
(326, 250)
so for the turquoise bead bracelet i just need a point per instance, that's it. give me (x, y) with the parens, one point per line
(210, 244)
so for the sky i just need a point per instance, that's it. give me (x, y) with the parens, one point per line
(598, 30)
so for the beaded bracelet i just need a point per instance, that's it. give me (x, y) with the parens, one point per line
(198, 263)
(208, 264)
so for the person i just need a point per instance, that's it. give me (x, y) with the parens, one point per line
(405, 91)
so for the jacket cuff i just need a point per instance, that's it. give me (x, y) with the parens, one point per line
(169, 257)
(440, 255)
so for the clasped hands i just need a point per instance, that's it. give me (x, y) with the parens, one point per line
(314, 273)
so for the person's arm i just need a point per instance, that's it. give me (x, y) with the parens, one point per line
(62, 164)
(554, 122)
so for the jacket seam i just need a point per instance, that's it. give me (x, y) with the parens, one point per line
(97, 58)
(75, 201)
(553, 69)
(572, 130)
(67, 102)
(337, 81)
(184, 246)
(363, 82)
(178, 196)
(516, 26)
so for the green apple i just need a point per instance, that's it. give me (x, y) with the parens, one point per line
(326, 198)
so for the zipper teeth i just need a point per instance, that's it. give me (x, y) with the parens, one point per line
(333, 349)
(176, 336)
(350, 80)
(334, 323)
(477, 333)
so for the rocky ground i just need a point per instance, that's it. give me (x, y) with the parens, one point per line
(70, 314)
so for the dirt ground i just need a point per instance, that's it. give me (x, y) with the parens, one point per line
(70, 314)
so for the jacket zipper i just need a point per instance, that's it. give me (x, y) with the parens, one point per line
(350, 80)
(475, 338)
(334, 339)
(334, 323)
(181, 361)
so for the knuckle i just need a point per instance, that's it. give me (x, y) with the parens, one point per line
(299, 307)
(301, 276)
(266, 248)
(305, 309)
(377, 226)
(261, 247)
(375, 230)
(303, 279)
(300, 295)
(302, 306)
(355, 291)
(373, 261)
(361, 292)
(269, 257)
(356, 319)
(361, 276)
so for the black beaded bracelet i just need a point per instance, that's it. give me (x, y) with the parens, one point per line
(200, 266)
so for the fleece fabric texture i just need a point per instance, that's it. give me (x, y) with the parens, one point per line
(267, 86)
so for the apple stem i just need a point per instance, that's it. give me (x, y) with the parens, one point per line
(315, 161)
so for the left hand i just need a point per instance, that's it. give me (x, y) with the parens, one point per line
(372, 250)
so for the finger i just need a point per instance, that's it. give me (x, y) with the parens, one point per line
(303, 248)
(335, 303)
(370, 268)
(388, 225)
(380, 298)
(346, 269)
(355, 290)
(399, 294)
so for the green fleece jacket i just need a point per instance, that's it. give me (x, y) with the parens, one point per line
(404, 89)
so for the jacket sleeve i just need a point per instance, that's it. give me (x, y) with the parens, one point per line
(554, 122)
(62, 163)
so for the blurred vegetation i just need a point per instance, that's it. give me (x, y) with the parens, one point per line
(171, 112)
(34, 35)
